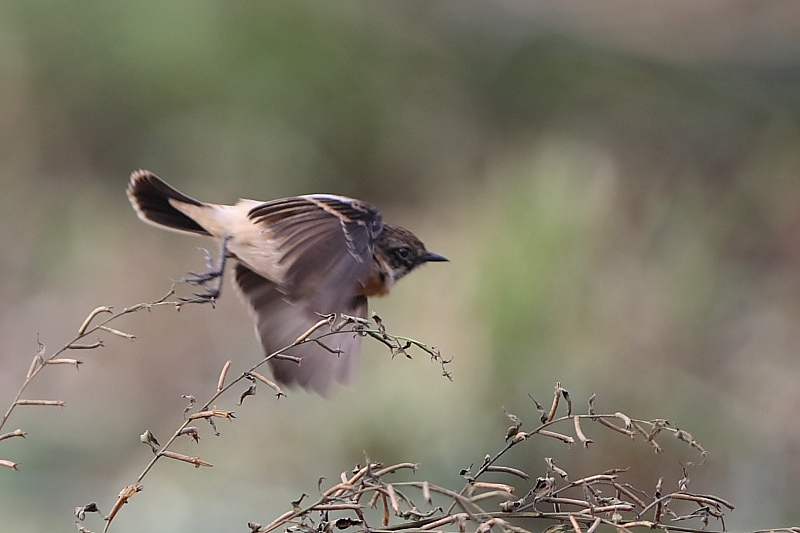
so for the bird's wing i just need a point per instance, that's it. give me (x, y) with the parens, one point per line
(323, 246)
(279, 322)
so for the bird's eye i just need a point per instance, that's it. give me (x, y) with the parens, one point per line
(404, 252)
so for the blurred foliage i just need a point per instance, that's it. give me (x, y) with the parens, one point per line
(616, 186)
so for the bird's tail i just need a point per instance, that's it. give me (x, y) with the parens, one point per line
(153, 200)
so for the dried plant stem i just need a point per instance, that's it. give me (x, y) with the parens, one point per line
(550, 419)
(221, 389)
(585, 504)
(40, 361)
(312, 335)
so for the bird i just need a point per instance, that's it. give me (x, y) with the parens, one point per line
(296, 259)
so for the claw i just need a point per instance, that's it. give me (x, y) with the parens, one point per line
(201, 279)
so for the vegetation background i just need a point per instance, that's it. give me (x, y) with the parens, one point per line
(616, 184)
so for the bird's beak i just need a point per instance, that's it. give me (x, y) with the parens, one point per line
(431, 257)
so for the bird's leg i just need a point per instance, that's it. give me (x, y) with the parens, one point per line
(215, 272)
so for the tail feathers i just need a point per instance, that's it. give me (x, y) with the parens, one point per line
(150, 197)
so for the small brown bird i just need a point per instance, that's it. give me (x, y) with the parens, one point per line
(297, 258)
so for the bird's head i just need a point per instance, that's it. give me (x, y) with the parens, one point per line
(402, 251)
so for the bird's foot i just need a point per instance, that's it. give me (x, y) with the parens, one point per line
(216, 271)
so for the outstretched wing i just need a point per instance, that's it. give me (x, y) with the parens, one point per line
(280, 321)
(323, 245)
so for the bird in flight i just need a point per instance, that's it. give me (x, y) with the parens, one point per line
(296, 258)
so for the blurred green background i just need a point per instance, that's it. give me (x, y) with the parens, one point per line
(616, 183)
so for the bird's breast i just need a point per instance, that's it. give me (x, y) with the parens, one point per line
(378, 283)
